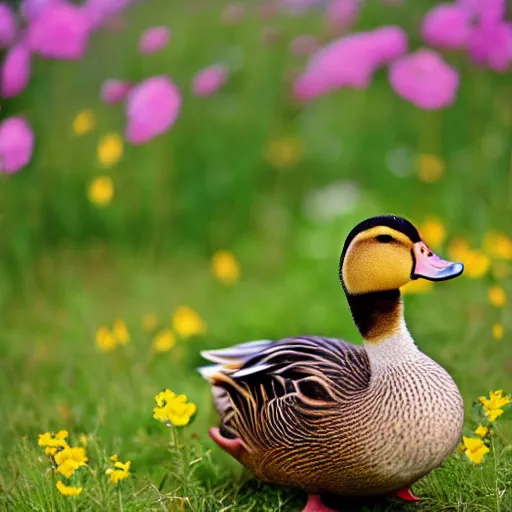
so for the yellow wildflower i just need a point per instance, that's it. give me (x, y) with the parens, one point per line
(186, 322)
(284, 153)
(65, 490)
(433, 232)
(101, 190)
(476, 264)
(53, 443)
(110, 149)
(150, 322)
(498, 331)
(83, 439)
(493, 405)
(475, 449)
(70, 459)
(120, 471)
(458, 249)
(498, 245)
(497, 296)
(481, 431)
(105, 340)
(174, 409)
(430, 168)
(225, 267)
(121, 332)
(84, 122)
(417, 286)
(164, 341)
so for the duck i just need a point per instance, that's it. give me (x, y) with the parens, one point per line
(332, 417)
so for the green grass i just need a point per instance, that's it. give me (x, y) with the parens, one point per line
(68, 267)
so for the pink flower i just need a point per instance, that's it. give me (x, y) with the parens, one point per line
(61, 31)
(114, 91)
(447, 26)
(105, 12)
(342, 14)
(303, 45)
(152, 107)
(8, 26)
(15, 71)
(154, 39)
(31, 9)
(424, 79)
(350, 61)
(16, 144)
(485, 10)
(491, 45)
(209, 80)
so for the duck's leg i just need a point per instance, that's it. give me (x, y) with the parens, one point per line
(315, 504)
(232, 446)
(406, 495)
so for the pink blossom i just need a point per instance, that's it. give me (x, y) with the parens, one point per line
(16, 144)
(350, 61)
(152, 108)
(15, 71)
(233, 13)
(114, 91)
(447, 26)
(424, 79)
(209, 80)
(304, 45)
(31, 9)
(154, 39)
(105, 12)
(490, 45)
(485, 10)
(61, 31)
(268, 9)
(8, 26)
(342, 14)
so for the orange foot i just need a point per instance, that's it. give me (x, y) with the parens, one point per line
(407, 495)
(232, 446)
(315, 504)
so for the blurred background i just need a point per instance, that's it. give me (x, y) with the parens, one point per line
(209, 207)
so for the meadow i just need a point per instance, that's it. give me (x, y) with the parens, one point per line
(225, 229)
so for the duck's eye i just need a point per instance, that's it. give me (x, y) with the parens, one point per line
(385, 239)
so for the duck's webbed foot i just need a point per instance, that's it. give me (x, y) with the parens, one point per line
(406, 495)
(315, 504)
(232, 446)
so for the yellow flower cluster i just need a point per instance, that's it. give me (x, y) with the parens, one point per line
(65, 459)
(110, 149)
(493, 406)
(120, 471)
(475, 449)
(433, 232)
(84, 122)
(173, 409)
(225, 267)
(101, 190)
(109, 339)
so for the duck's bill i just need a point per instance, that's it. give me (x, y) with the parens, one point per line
(428, 265)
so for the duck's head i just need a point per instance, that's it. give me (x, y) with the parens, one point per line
(385, 253)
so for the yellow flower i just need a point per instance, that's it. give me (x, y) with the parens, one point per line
(493, 405)
(417, 286)
(53, 443)
(120, 471)
(121, 332)
(174, 409)
(498, 331)
(498, 245)
(70, 459)
(476, 264)
(481, 431)
(497, 296)
(65, 490)
(105, 340)
(475, 449)
(110, 149)
(83, 439)
(225, 267)
(186, 322)
(101, 190)
(458, 249)
(430, 168)
(433, 232)
(284, 153)
(164, 341)
(150, 322)
(84, 122)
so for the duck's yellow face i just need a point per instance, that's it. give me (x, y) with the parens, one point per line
(382, 258)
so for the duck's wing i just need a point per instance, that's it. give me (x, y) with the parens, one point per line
(265, 390)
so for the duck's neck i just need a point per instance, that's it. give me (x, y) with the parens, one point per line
(379, 316)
